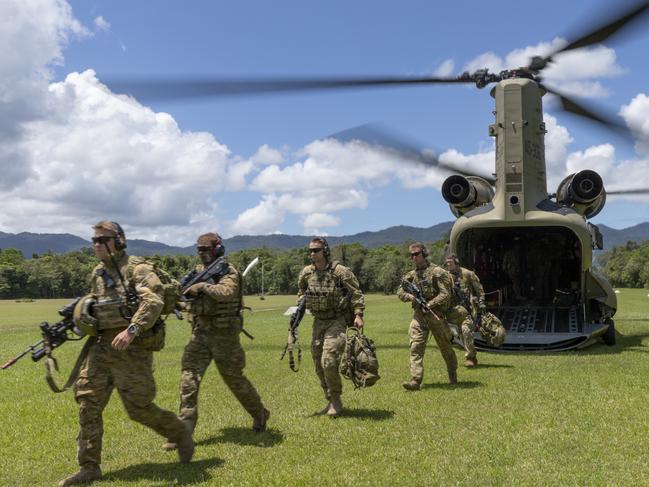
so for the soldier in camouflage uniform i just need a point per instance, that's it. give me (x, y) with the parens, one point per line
(335, 300)
(468, 294)
(119, 358)
(215, 314)
(435, 285)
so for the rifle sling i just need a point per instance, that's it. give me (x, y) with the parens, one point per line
(51, 365)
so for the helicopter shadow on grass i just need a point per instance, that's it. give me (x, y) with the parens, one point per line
(246, 437)
(623, 343)
(168, 473)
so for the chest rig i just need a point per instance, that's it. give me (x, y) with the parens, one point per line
(113, 309)
(425, 281)
(326, 295)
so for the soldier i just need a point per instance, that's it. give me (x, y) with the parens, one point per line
(121, 311)
(215, 314)
(435, 285)
(468, 293)
(335, 300)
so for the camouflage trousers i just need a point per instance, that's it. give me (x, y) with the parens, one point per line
(460, 317)
(131, 373)
(221, 344)
(327, 346)
(421, 327)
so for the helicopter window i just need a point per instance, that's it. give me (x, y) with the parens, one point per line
(524, 266)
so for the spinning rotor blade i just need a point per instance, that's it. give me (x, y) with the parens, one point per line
(599, 115)
(628, 191)
(395, 145)
(598, 34)
(175, 89)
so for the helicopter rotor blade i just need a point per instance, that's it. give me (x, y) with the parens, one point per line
(598, 34)
(628, 191)
(386, 140)
(176, 88)
(598, 115)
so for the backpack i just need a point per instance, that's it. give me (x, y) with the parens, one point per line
(154, 339)
(171, 290)
(360, 364)
(492, 330)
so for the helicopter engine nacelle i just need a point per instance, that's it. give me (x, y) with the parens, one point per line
(583, 192)
(466, 193)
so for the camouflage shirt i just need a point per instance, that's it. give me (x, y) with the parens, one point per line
(435, 285)
(468, 283)
(107, 287)
(330, 291)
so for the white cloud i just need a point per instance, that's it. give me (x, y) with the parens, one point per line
(263, 219)
(445, 68)
(102, 24)
(636, 116)
(314, 222)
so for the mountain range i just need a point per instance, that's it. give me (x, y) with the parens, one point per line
(39, 243)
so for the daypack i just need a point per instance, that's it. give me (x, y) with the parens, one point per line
(171, 287)
(492, 330)
(359, 364)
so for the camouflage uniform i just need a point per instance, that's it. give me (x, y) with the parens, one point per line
(435, 285)
(333, 296)
(216, 320)
(129, 371)
(468, 284)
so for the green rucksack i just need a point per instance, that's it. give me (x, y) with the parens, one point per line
(359, 364)
(171, 290)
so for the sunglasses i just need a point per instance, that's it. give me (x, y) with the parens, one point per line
(102, 240)
(203, 248)
(415, 254)
(316, 250)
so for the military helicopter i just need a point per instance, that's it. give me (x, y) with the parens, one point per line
(532, 250)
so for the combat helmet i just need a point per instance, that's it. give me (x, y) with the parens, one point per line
(492, 330)
(82, 315)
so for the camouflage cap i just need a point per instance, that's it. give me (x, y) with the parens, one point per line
(210, 239)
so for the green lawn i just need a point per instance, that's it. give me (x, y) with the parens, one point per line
(575, 418)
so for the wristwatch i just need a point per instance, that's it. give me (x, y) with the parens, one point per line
(133, 329)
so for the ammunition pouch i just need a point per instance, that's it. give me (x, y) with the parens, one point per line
(153, 339)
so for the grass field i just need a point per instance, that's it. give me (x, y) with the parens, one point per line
(575, 418)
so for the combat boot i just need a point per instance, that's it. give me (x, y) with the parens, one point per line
(452, 377)
(411, 385)
(186, 446)
(259, 425)
(336, 406)
(324, 409)
(83, 476)
(471, 362)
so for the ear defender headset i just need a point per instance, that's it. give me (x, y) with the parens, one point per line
(120, 241)
(217, 248)
(325, 246)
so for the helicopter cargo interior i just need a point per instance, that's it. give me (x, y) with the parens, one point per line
(532, 282)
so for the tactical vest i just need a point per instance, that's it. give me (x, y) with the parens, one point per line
(221, 311)
(110, 310)
(425, 281)
(326, 295)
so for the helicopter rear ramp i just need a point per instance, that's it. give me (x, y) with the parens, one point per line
(536, 329)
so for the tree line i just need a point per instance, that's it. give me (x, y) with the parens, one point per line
(378, 269)
(53, 275)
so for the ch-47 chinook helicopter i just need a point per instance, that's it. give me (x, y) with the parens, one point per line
(531, 249)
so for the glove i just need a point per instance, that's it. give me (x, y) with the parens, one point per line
(196, 289)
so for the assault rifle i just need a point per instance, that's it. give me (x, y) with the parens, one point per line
(411, 288)
(292, 340)
(211, 274)
(53, 336)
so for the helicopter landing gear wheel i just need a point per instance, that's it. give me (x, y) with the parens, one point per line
(609, 335)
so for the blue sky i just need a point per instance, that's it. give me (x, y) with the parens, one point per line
(206, 154)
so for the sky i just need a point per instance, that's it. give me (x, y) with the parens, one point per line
(73, 152)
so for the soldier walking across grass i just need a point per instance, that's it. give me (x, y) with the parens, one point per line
(434, 284)
(467, 295)
(214, 309)
(335, 300)
(121, 313)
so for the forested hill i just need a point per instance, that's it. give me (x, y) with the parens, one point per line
(35, 243)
